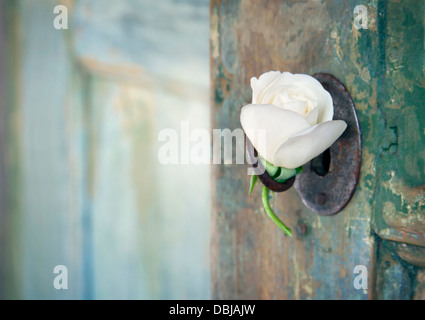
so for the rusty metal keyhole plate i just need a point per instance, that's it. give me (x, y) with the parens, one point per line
(328, 194)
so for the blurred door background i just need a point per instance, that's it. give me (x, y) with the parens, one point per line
(80, 183)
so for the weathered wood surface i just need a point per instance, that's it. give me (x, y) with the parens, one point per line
(401, 149)
(399, 195)
(382, 67)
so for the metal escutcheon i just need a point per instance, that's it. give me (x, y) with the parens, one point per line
(327, 183)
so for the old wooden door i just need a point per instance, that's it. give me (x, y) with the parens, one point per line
(383, 227)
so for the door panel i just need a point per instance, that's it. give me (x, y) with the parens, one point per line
(400, 194)
(251, 257)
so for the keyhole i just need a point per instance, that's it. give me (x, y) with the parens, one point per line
(328, 181)
(321, 164)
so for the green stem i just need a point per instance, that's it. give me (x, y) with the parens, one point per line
(253, 181)
(271, 214)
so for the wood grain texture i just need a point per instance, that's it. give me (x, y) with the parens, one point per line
(400, 197)
(395, 278)
(251, 257)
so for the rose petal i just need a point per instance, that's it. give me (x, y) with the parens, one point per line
(278, 125)
(324, 101)
(303, 106)
(281, 95)
(312, 116)
(299, 107)
(323, 97)
(259, 85)
(308, 144)
(272, 83)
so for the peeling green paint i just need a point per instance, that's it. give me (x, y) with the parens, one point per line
(400, 164)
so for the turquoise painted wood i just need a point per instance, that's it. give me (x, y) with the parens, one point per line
(83, 108)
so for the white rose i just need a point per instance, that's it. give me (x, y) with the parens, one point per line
(296, 113)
